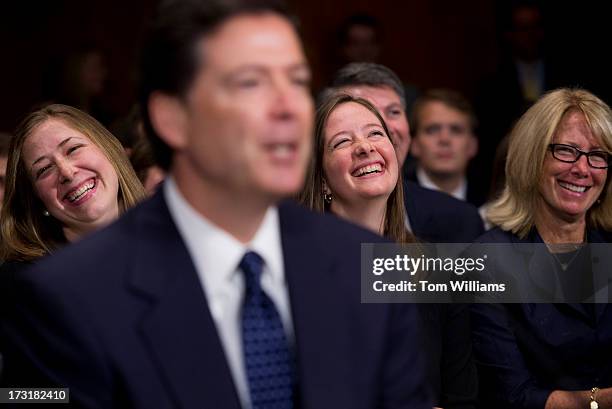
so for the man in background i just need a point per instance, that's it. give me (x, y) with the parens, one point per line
(360, 39)
(443, 144)
(525, 72)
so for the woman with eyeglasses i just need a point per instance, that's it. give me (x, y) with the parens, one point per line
(558, 194)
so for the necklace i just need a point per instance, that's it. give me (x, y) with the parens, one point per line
(565, 253)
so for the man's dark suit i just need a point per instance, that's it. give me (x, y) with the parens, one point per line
(500, 103)
(525, 351)
(122, 319)
(439, 218)
(474, 194)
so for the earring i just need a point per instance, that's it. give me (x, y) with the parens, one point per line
(46, 213)
(327, 197)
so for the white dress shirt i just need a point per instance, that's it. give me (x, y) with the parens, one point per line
(216, 256)
(459, 193)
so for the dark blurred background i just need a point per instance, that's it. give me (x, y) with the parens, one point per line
(441, 43)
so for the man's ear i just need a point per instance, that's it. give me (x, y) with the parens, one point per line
(169, 119)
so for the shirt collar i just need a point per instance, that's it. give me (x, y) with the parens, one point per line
(267, 243)
(459, 193)
(216, 253)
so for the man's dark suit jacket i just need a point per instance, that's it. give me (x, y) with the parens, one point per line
(474, 194)
(525, 351)
(436, 217)
(439, 218)
(499, 103)
(121, 319)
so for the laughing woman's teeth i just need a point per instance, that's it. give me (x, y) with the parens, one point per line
(81, 191)
(368, 169)
(573, 188)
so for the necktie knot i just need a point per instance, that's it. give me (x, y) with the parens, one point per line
(252, 266)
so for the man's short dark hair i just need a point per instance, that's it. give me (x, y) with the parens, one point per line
(369, 74)
(169, 61)
(450, 98)
(361, 19)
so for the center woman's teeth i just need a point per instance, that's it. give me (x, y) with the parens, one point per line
(573, 188)
(366, 170)
(81, 191)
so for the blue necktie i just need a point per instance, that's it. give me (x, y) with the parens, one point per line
(267, 358)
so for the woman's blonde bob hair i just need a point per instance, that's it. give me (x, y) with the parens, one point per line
(515, 209)
(26, 234)
(312, 196)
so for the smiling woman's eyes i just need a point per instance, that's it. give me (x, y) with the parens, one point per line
(338, 143)
(342, 142)
(38, 173)
(74, 148)
(41, 171)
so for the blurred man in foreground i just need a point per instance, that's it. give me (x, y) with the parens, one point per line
(214, 293)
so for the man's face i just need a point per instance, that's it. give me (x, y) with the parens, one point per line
(361, 44)
(248, 116)
(389, 104)
(527, 33)
(444, 143)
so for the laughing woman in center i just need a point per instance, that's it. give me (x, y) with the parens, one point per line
(354, 174)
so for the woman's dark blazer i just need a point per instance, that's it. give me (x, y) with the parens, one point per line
(525, 351)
